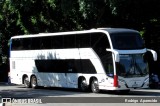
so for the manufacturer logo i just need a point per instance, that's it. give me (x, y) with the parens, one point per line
(135, 85)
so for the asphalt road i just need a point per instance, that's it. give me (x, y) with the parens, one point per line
(70, 97)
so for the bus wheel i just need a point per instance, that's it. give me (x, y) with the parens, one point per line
(82, 84)
(34, 82)
(26, 82)
(94, 86)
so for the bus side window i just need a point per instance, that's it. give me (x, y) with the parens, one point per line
(57, 42)
(83, 41)
(99, 43)
(45, 43)
(16, 44)
(69, 41)
(26, 43)
(35, 43)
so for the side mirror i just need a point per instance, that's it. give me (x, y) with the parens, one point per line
(153, 53)
(116, 54)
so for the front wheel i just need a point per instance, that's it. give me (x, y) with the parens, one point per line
(34, 82)
(95, 86)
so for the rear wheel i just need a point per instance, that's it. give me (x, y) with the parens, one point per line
(95, 86)
(26, 82)
(83, 84)
(34, 82)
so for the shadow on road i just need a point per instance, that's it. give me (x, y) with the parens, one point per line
(20, 91)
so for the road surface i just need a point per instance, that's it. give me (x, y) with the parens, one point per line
(70, 97)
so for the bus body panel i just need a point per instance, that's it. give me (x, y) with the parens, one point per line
(25, 63)
(62, 67)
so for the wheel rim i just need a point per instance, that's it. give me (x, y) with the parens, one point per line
(26, 82)
(83, 85)
(34, 82)
(95, 87)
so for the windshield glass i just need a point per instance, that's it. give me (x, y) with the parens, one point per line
(128, 40)
(132, 66)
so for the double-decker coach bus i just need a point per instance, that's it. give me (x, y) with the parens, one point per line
(96, 59)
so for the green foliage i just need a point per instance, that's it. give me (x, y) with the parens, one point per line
(18, 17)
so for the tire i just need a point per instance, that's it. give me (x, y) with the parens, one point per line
(95, 86)
(26, 82)
(82, 85)
(34, 82)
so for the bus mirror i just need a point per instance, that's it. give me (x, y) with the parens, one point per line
(153, 53)
(116, 54)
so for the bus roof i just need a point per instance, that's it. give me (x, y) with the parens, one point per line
(109, 30)
(117, 30)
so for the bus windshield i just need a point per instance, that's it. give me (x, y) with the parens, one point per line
(132, 66)
(127, 41)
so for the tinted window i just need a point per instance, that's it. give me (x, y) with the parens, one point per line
(127, 41)
(45, 43)
(83, 40)
(107, 62)
(35, 43)
(26, 42)
(57, 42)
(66, 66)
(69, 41)
(99, 43)
(16, 44)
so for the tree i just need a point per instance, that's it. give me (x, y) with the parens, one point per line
(18, 17)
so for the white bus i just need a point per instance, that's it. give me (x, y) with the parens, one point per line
(96, 59)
